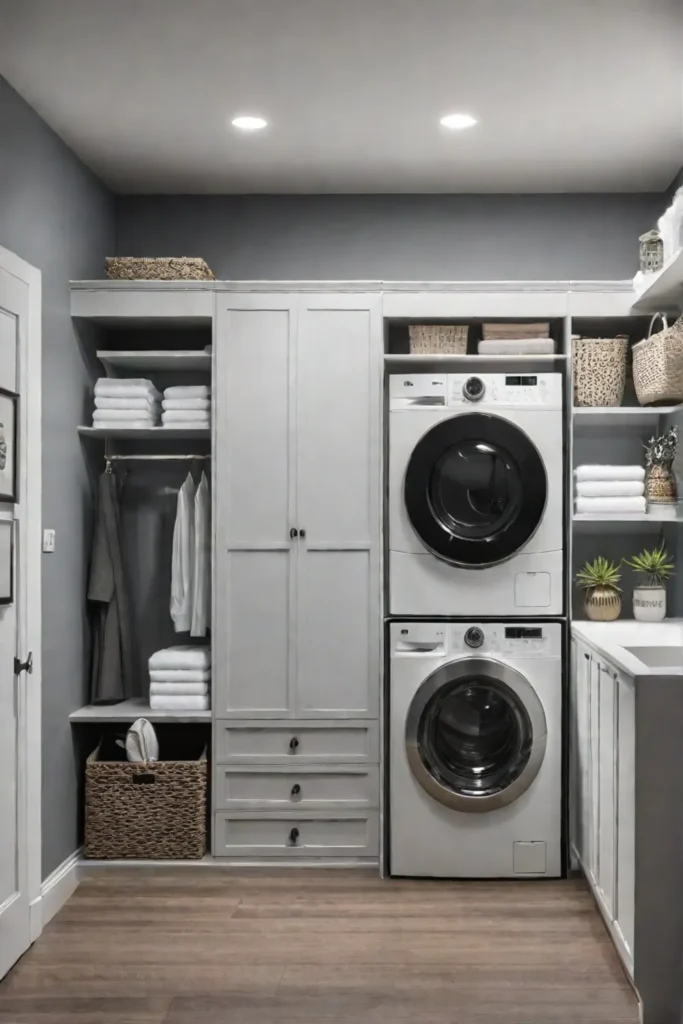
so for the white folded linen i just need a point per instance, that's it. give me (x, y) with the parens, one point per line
(178, 689)
(143, 424)
(184, 415)
(144, 404)
(181, 656)
(610, 488)
(609, 473)
(189, 391)
(126, 414)
(186, 403)
(180, 675)
(193, 702)
(126, 387)
(607, 505)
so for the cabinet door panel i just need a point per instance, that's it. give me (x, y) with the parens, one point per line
(338, 650)
(258, 597)
(580, 752)
(626, 808)
(594, 768)
(607, 808)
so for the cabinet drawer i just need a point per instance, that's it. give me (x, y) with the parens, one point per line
(340, 742)
(286, 834)
(303, 788)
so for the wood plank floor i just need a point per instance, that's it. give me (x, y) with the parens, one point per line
(206, 946)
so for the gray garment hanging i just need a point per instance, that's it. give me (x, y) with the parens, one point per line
(112, 658)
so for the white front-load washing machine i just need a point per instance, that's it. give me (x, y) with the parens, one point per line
(476, 494)
(475, 738)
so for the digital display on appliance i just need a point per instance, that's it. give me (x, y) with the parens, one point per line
(521, 382)
(523, 633)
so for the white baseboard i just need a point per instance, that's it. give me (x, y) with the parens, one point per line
(59, 887)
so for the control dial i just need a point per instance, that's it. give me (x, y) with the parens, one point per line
(473, 389)
(474, 637)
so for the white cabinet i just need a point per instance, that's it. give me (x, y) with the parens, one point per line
(602, 787)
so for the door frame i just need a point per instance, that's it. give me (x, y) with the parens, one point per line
(29, 605)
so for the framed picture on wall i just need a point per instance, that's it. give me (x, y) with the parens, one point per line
(8, 445)
(6, 561)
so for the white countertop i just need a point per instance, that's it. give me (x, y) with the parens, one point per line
(611, 639)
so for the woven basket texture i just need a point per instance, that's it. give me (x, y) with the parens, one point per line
(658, 366)
(158, 268)
(435, 339)
(599, 371)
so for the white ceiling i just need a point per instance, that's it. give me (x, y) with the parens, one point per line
(572, 95)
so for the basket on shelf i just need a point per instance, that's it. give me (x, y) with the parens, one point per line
(495, 332)
(651, 252)
(599, 370)
(658, 364)
(438, 339)
(158, 268)
(140, 811)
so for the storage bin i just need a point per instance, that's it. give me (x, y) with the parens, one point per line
(515, 331)
(158, 268)
(599, 370)
(438, 339)
(145, 811)
(658, 364)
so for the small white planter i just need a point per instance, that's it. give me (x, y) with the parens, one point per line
(649, 604)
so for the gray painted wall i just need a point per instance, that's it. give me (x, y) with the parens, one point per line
(57, 216)
(394, 237)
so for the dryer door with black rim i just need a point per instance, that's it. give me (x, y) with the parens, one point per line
(475, 490)
(475, 734)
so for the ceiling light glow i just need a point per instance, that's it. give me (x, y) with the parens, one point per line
(249, 123)
(457, 122)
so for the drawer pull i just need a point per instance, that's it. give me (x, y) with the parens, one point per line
(293, 836)
(296, 789)
(293, 743)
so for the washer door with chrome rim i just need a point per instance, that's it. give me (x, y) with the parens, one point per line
(475, 490)
(475, 734)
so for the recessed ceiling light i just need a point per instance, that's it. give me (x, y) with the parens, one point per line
(249, 123)
(458, 121)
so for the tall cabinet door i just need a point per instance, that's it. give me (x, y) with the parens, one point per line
(338, 499)
(255, 586)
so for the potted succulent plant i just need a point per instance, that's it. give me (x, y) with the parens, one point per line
(600, 579)
(660, 483)
(649, 599)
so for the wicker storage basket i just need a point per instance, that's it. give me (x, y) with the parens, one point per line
(158, 268)
(658, 364)
(599, 370)
(514, 331)
(438, 339)
(138, 811)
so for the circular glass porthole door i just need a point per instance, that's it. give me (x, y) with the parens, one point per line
(475, 489)
(475, 734)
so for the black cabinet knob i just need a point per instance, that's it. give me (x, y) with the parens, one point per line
(293, 743)
(586, 655)
(293, 532)
(302, 533)
(294, 835)
(296, 789)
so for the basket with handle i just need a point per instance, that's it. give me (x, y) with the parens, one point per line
(658, 363)
(599, 370)
(438, 339)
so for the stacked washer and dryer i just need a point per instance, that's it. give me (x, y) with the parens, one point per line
(475, 537)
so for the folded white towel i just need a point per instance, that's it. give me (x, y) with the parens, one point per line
(144, 404)
(179, 675)
(178, 689)
(163, 702)
(184, 415)
(610, 488)
(125, 387)
(609, 473)
(606, 505)
(186, 403)
(127, 414)
(191, 391)
(144, 424)
(197, 656)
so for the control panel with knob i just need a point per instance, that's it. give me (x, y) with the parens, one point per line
(474, 637)
(473, 389)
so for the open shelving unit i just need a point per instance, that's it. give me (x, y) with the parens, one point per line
(129, 710)
(155, 361)
(145, 433)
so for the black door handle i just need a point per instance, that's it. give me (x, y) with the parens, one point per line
(296, 789)
(293, 532)
(293, 836)
(293, 743)
(24, 666)
(302, 534)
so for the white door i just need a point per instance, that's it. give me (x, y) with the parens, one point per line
(15, 934)
(607, 808)
(338, 506)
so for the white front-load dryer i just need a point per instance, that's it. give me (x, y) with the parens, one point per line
(475, 738)
(476, 494)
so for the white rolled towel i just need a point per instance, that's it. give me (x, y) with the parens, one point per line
(610, 488)
(610, 473)
(179, 675)
(184, 415)
(148, 404)
(179, 689)
(126, 414)
(607, 505)
(193, 656)
(126, 387)
(189, 391)
(120, 424)
(163, 702)
(186, 403)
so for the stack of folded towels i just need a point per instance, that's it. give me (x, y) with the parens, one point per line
(179, 679)
(610, 489)
(126, 402)
(187, 406)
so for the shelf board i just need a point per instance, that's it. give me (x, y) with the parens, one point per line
(590, 416)
(396, 359)
(623, 520)
(129, 710)
(124, 304)
(145, 433)
(166, 360)
(662, 290)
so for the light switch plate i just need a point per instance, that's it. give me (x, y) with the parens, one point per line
(48, 541)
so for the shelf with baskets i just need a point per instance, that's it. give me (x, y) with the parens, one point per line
(500, 339)
(621, 415)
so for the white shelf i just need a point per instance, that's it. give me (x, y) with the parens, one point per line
(145, 433)
(609, 416)
(396, 359)
(123, 304)
(624, 520)
(129, 710)
(166, 360)
(662, 290)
